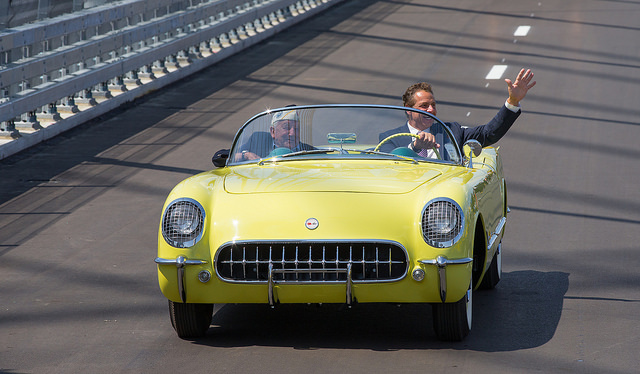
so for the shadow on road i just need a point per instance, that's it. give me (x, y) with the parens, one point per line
(522, 312)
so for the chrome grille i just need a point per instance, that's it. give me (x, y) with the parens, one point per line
(311, 261)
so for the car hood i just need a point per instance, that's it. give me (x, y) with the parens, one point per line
(384, 178)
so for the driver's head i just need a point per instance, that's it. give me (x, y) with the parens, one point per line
(285, 129)
(420, 96)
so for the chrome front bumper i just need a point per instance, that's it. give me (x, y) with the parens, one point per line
(441, 263)
(180, 262)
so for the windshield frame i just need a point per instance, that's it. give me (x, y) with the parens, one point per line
(321, 153)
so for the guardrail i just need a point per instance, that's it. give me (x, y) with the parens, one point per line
(59, 73)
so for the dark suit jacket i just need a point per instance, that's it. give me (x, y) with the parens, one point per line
(486, 134)
(261, 143)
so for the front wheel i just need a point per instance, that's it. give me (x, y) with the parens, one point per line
(452, 321)
(190, 320)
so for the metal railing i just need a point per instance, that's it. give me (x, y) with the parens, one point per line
(58, 73)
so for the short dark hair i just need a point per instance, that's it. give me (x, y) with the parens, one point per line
(408, 99)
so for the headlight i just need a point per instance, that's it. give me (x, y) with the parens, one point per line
(442, 222)
(183, 223)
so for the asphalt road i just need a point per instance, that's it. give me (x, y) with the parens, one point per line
(79, 213)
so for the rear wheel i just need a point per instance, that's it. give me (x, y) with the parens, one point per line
(452, 321)
(494, 273)
(190, 320)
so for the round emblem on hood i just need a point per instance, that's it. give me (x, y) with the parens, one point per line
(311, 223)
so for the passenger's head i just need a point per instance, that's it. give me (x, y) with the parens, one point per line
(285, 129)
(420, 96)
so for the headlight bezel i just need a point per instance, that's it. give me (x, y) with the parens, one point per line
(171, 234)
(445, 209)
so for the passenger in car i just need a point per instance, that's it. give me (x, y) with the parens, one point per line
(284, 134)
(420, 96)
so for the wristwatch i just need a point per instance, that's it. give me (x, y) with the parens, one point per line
(244, 155)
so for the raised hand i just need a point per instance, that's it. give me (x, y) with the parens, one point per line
(518, 89)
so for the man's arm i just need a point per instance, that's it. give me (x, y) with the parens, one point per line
(258, 145)
(501, 123)
(491, 132)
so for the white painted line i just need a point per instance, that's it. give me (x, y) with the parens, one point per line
(522, 31)
(496, 72)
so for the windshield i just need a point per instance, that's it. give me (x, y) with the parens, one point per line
(341, 131)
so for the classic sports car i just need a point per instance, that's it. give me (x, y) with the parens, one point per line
(310, 206)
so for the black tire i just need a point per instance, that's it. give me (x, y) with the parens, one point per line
(452, 321)
(494, 273)
(190, 320)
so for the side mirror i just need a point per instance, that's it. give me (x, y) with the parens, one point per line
(219, 159)
(472, 148)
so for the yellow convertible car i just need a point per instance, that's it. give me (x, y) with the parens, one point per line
(313, 205)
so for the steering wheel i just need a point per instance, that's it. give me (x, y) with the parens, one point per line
(404, 134)
(279, 152)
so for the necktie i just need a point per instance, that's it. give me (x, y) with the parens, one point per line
(426, 153)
